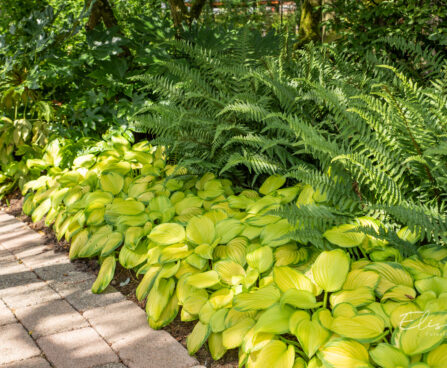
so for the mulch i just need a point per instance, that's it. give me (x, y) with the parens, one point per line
(124, 280)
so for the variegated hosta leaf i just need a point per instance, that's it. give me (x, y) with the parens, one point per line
(112, 182)
(330, 269)
(423, 334)
(360, 278)
(230, 272)
(197, 337)
(343, 353)
(166, 234)
(275, 354)
(105, 275)
(388, 356)
(289, 278)
(437, 358)
(200, 230)
(271, 184)
(301, 299)
(204, 279)
(232, 337)
(362, 327)
(228, 229)
(344, 236)
(215, 344)
(261, 259)
(357, 297)
(159, 297)
(262, 298)
(274, 320)
(311, 336)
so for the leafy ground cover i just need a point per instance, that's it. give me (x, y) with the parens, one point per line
(283, 195)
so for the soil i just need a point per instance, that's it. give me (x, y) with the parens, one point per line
(124, 280)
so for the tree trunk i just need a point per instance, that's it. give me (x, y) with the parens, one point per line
(180, 12)
(309, 21)
(101, 10)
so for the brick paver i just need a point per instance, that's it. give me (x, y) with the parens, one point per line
(6, 316)
(50, 317)
(16, 344)
(48, 314)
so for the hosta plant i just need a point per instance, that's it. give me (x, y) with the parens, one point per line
(230, 262)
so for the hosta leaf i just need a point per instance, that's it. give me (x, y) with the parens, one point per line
(105, 275)
(399, 293)
(167, 316)
(271, 184)
(145, 285)
(193, 304)
(200, 230)
(215, 345)
(330, 269)
(206, 312)
(197, 337)
(311, 336)
(132, 236)
(217, 320)
(436, 284)
(391, 274)
(388, 356)
(230, 272)
(274, 320)
(275, 234)
(204, 279)
(301, 299)
(423, 334)
(358, 297)
(166, 234)
(362, 327)
(232, 337)
(235, 250)
(289, 278)
(437, 358)
(296, 318)
(124, 207)
(174, 252)
(221, 298)
(159, 297)
(342, 353)
(275, 354)
(361, 278)
(41, 210)
(228, 229)
(262, 298)
(129, 258)
(344, 236)
(112, 182)
(261, 259)
(78, 242)
(114, 240)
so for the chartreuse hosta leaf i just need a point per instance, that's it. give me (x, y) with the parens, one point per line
(159, 297)
(197, 337)
(331, 269)
(436, 284)
(145, 285)
(437, 358)
(361, 327)
(301, 299)
(221, 298)
(204, 279)
(259, 299)
(344, 353)
(129, 258)
(344, 236)
(271, 184)
(391, 274)
(276, 234)
(289, 278)
(275, 354)
(217, 320)
(105, 275)
(388, 356)
(166, 234)
(424, 333)
(311, 336)
(357, 297)
(361, 278)
(233, 336)
(230, 272)
(200, 230)
(112, 182)
(215, 345)
(274, 320)
(228, 229)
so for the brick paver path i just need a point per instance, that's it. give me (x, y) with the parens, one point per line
(50, 318)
